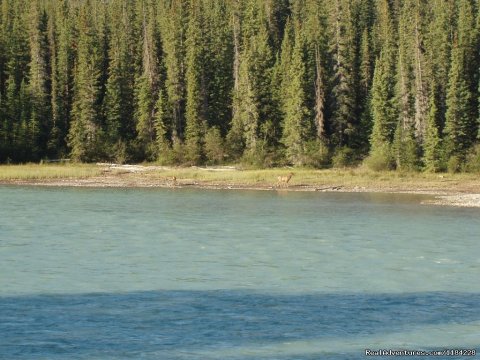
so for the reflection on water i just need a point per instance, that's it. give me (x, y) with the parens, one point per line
(117, 274)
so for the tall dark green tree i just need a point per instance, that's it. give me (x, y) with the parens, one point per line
(438, 49)
(196, 87)
(468, 44)
(85, 134)
(39, 82)
(119, 109)
(147, 83)
(218, 58)
(173, 18)
(252, 99)
(432, 144)
(297, 125)
(344, 119)
(460, 126)
(63, 54)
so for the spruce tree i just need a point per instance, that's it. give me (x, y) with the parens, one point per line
(146, 84)
(253, 102)
(62, 65)
(243, 135)
(195, 82)
(405, 148)
(39, 82)
(438, 49)
(119, 89)
(85, 133)
(218, 58)
(297, 121)
(164, 154)
(384, 113)
(421, 72)
(144, 96)
(460, 126)
(432, 144)
(344, 97)
(406, 100)
(173, 20)
(468, 43)
(383, 104)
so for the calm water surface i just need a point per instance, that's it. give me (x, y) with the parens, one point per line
(180, 274)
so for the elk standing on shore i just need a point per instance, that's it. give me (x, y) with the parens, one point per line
(172, 180)
(283, 180)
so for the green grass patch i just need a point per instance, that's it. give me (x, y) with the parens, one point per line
(48, 171)
(350, 177)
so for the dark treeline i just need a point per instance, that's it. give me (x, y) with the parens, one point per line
(268, 82)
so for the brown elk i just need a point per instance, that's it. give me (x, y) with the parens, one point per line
(172, 180)
(283, 180)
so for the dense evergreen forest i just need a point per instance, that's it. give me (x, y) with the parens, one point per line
(393, 83)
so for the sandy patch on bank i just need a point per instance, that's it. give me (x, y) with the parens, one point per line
(463, 200)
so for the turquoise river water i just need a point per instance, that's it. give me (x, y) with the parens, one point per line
(189, 274)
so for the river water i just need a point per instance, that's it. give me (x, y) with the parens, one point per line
(190, 274)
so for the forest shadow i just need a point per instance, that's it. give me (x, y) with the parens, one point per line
(126, 325)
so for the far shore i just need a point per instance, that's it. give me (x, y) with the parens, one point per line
(448, 189)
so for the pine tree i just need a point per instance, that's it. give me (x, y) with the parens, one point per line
(144, 96)
(468, 43)
(420, 71)
(173, 21)
(460, 127)
(280, 77)
(383, 101)
(365, 86)
(218, 59)
(243, 136)
(164, 154)
(119, 89)
(438, 48)
(297, 122)
(383, 105)
(405, 154)
(25, 130)
(113, 99)
(366, 68)
(195, 82)
(39, 82)
(344, 120)
(146, 85)
(432, 144)
(86, 131)
(384, 114)
(320, 97)
(62, 68)
(312, 25)
(16, 99)
(253, 103)
(276, 12)
(405, 148)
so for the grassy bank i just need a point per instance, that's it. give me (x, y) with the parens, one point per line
(343, 178)
(355, 179)
(48, 171)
